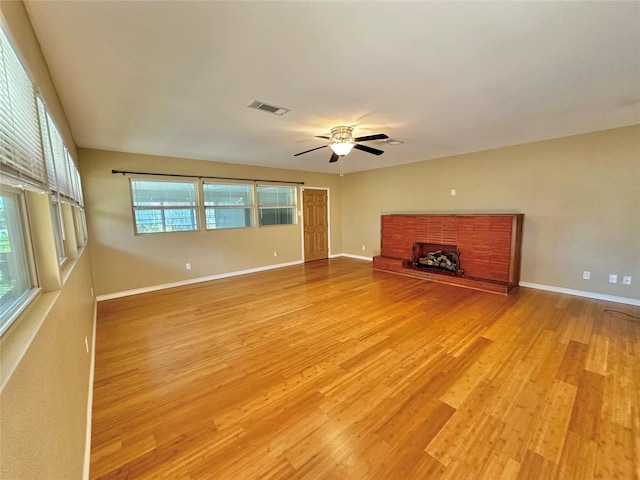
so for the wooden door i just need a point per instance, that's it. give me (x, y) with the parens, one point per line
(316, 224)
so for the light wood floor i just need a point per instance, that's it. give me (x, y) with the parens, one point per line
(333, 371)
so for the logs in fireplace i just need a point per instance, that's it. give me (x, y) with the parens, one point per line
(440, 261)
(443, 258)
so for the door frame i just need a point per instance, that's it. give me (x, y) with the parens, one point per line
(328, 190)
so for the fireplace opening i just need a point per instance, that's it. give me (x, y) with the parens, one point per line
(437, 257)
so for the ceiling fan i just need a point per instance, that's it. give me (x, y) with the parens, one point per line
(343, 142)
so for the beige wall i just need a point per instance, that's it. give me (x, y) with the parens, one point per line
(123, 261)
(44, 365)
(44, 402)
(580, 196)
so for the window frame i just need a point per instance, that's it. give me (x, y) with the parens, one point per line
(136, 208)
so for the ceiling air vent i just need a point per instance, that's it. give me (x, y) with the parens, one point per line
(265, 107)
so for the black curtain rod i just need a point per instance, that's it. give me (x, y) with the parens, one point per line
(125, 172)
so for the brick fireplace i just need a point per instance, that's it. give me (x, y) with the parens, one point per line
(488, 247)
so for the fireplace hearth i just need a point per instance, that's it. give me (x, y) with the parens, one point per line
(437, 257)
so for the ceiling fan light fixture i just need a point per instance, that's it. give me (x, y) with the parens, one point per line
(341, 148)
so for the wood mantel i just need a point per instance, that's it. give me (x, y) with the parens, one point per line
(489, 246)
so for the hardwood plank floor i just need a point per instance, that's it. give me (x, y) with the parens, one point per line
(333, 370)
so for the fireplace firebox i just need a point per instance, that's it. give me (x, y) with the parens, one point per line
(437, 257)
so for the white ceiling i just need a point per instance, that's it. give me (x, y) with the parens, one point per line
(174, 77)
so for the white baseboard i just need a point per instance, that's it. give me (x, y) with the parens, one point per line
(582, 293)
(87, 445)
(357, 257)
(191, 281)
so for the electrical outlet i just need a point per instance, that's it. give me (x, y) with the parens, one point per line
(275, 254)
(453, 192)
(626, 280)
(586, 275)
(363, 248)
(613, 278)
(187, 266)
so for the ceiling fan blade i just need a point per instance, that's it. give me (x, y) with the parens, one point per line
(364, 148)
(307, 151)
(366, 138)
(334, 157)
(323, 136)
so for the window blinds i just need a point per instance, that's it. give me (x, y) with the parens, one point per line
(31, 147)
(59, 159)
(20, 142)
(47, 147)
(62, 174)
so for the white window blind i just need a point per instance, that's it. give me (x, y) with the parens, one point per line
(276, 205)
(74, 180)
(59, 159)
(20, 143)
(79, 184)
(47, 147)
(62, 174)
(163, 206)
(228, 205)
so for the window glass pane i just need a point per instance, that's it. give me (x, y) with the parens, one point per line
(228, 195)
(77, 225)
(180, 220)
(149, 221)
(166, 220)
(277, 216)
(150, 193)
(83, 223)
(57, 232)
(15, 280)
(228, 217)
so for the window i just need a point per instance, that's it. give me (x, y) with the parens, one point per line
(21, 164)
(57, 230)
(83, 226)
(15, 270)
(78, 224)
(228, 205)
(276, 205)
(164, 206)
